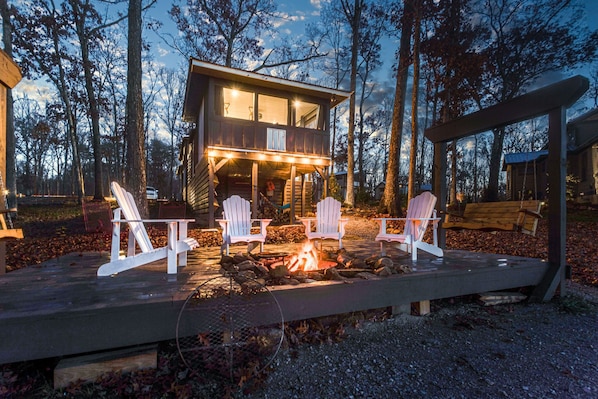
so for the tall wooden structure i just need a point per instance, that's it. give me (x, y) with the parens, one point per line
(254, 134)
(10, 75)
(553, 101)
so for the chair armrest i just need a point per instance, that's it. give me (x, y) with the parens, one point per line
(263, 224)
(383, 221)
(307, 222)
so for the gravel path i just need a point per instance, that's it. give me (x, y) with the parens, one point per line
(547, 350)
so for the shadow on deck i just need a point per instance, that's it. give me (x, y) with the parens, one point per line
(61, 308)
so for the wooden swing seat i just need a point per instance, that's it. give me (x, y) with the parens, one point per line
(518, 216)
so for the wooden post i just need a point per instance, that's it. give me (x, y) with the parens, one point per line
(293, 174)
(439, 185)
(10, 75)
(557, 211)
(211, 191)
(303, 194)
(213, 167)
(254, 190)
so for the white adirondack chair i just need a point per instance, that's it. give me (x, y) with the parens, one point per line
(420, 213)
(237, 223)
(328, 222)
(176, 249)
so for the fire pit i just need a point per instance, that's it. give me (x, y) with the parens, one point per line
(306, 264)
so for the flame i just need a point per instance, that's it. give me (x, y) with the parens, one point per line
(306, 259)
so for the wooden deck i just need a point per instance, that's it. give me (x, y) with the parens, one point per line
(61, 308)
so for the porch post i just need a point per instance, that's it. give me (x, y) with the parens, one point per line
(557, 211)
(254, 190)
(292, 210)
(303, 194)
(211, 191)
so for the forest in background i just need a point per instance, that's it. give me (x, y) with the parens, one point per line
(451, 58)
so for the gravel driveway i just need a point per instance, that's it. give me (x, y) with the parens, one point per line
(465, 350)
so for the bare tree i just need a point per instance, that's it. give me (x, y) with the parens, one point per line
(135, 174)
(353, 14)
(331, 31)
(414, 100)
(42, 45)
(172, 94)
(373, 20)
(541, 36)
(391, 201)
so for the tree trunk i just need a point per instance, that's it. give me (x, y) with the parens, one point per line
(135, 178)
(392, 195)
(80, 18)
(414, 103)
(354, 19)
(491, 193)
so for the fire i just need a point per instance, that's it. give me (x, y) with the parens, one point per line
(306, 259)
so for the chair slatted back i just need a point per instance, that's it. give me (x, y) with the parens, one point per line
(130, 212)
(421, 206)
(238, 212)
(328, 214)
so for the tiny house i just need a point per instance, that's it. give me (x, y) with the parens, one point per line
(256, 136)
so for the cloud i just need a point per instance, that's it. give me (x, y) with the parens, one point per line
(38, 90)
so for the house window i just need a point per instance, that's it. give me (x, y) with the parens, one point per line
(274, 110)
(307, 115)
(234, 103)
(277, 139)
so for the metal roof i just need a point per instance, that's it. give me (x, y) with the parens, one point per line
(521, 157)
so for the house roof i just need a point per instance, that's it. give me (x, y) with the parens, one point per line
(583, 130)
(199, 70)
(521, 157)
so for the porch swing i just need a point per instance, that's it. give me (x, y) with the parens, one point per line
(518, 216)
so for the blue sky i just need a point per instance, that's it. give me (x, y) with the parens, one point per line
(297, 13)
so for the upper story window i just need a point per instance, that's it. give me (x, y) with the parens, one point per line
(272, 109)
(241, 104)
(234, 103)
(307, 115)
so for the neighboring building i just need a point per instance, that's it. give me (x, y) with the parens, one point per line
(254, 134)
(582, 133)
(526, 175)
(526, 172)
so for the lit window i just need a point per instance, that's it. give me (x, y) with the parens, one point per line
(234, 103)
(307, 115)
(277, 139)
(273, 110)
